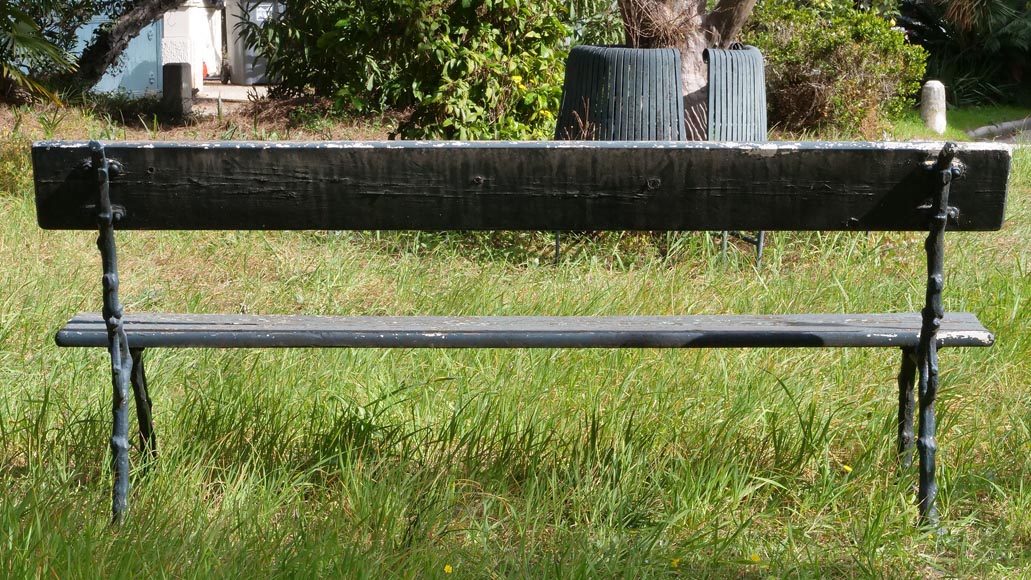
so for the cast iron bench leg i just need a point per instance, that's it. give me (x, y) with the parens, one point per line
(933, 312)
(120, 371)
(926, 443)
(907, 407)
(118, 344)
(148, 441)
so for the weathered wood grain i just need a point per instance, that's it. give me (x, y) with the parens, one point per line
(519, 185)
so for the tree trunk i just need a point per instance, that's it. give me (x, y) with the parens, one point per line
(111, 41)
(684, 24)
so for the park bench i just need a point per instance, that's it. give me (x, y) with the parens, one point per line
(550, 186)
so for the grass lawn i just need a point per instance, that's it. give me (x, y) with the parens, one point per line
(959, 121)
(505, 463)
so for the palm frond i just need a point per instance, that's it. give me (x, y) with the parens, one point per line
(24, 49)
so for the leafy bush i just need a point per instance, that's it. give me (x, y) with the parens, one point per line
(980, 50)
(468, 69)
(596, 22)
(60, 20)
(842, 68)
(24, 52)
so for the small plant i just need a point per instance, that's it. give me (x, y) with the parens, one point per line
(229, 132)
(153, 129)
(19, 118)
(50, 120)
(105, 129)
(583, 129)
(263, 134)
(315, 118)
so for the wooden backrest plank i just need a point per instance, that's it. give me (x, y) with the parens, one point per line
(518, 185)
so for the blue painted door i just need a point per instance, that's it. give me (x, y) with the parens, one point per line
(138, 72)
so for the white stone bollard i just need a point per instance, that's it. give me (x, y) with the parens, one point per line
(932, 106)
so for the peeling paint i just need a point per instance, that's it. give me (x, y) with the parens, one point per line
(985, 338)
(753, 149)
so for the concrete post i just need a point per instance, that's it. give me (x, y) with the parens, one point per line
(177, 92)
(932, 106)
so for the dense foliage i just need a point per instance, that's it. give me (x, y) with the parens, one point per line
(38, 36)
(837, 67)
(25, 50)
(489, 69)
(979, 49)
(470, 69)
(59, 20)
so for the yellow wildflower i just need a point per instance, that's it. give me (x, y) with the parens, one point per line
(847, 468)
(675, 563)
(755, 557)
(448, 569)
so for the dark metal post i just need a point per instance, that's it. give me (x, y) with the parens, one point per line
(907, 407)
(177, 90)
(148, 442)
(121, 359)
(927, 352)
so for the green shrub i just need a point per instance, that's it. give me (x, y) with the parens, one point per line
(979, 49)
(25, 51)
(469, 69)
(841, 69)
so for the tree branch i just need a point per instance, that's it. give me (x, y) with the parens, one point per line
(111, 41)
(723, 24)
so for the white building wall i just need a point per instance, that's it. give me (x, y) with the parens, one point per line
(193, 34)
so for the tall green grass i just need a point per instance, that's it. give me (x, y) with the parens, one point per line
(510, 463)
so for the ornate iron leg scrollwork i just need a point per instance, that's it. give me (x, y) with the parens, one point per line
(118, 344)
(148, 441)
(907, 407)
(945, 169)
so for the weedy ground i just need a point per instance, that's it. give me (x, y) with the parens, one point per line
(503, 463)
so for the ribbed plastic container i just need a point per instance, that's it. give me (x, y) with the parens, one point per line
(622, 94)
(737, 94)
(737, 107)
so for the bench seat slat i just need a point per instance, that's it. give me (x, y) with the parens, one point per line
(695, 331)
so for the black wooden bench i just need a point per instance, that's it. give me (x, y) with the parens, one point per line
(524, 186)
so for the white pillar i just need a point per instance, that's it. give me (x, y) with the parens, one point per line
(194, 35)
(932, 106)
